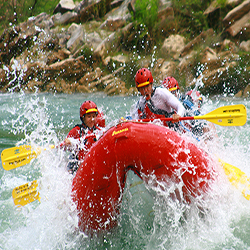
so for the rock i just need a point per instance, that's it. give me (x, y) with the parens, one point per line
(228, 45)
(18, 39)
(64, 6)
(131, 6)
(76, 40)
(215, 6)
(56, 56)
(174, 44)
(238, 25)
(239, 94)
(115, 86)
(245, 45)
(213, 77)
(113, 24)
(66, 18)
(211, 8)
(246, 92)
(121, 12)
(116, 3)
(120, 59)
(3, 77)
(106, 45)
(236, 13)
(35, 86)
(186, 65)
(90, 77)
(71, 69)
(94, 10)
(82, 89)
(93, 40)
(197, 40)
(164, 68)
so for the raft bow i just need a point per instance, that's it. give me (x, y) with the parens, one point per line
(150, 151)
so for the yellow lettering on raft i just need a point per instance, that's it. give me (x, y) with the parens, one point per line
(120, 131)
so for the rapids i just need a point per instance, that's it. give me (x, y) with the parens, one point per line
(149, 219)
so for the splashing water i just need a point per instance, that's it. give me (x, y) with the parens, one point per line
(150, 217)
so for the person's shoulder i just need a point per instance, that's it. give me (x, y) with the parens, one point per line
(160, 91)
(74, 131)
(77, 127)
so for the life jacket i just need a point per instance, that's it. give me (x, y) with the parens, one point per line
(89, 138)
(188, 104)
(151, 112)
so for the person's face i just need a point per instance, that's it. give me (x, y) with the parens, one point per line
(146, 91)
(90, 119)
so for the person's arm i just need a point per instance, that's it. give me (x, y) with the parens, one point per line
(71, 137)
(134, 111)
(175, 104)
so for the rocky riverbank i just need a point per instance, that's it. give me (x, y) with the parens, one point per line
(80, 48)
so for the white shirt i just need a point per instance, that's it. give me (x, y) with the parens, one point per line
(161, 99)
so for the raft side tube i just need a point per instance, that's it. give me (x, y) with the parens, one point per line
(147, 149)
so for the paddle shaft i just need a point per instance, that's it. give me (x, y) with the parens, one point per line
(207, 117)
(233, 115)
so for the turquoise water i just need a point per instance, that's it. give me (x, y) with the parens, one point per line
(149, 219)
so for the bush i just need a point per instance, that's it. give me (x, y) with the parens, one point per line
(146, 13)
(15, 12)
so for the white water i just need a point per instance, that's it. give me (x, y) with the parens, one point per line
(149, 218)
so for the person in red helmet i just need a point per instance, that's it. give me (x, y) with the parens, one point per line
(192, 101)
(201, 129)
(196, 97)
(80, 139)
(155, 103)
(172, 85)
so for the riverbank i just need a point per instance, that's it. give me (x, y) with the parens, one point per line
(75, 52)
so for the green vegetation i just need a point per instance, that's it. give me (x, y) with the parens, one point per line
(146, 13)
(188, 20)
(189, 13)
(15, 12)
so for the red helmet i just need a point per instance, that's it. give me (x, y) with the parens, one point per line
(88, 107)
(143, 77)
(189, 93)
(199, 97)
(170, 83)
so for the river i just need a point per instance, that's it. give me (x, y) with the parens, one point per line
(148, 219)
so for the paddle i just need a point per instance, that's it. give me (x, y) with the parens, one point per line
(237, 178)
(233, 115)
(25, 194)
(19, 156)
(28, 193)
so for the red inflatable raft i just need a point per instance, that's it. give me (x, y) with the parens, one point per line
(152, 152)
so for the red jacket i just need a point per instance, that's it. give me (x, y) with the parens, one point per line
(85, 136)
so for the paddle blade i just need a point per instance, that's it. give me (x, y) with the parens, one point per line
(237, 178)
(233, 115)
(17, 156)
(25, 194)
